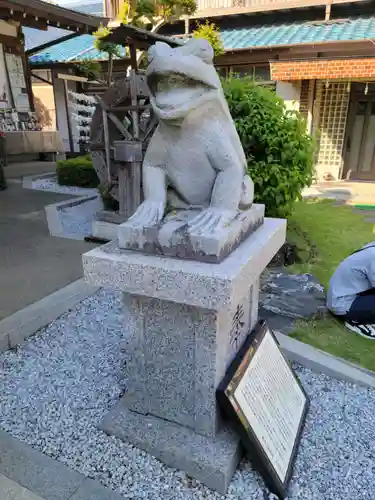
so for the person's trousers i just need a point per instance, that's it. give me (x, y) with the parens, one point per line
(363, 308)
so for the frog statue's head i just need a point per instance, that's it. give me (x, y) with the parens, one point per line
(181, 79)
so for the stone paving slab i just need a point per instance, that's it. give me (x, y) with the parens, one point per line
(92, 490)
(35, 471)
(9, 490)
(27, 474)
(33, 263)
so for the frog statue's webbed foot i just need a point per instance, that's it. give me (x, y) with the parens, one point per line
(149, 214)
(211, 220)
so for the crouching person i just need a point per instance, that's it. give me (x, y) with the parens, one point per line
(351, 292)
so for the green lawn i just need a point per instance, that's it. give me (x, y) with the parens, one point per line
(325, 234)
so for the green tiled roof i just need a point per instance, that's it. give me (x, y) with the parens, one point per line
(81, 48)
(298, 32)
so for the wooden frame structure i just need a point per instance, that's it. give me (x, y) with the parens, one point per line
(120, 152)
(39, 14)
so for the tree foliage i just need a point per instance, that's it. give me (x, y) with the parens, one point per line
(90, 68)
(211, 33)
(143, 14)
(148, 13)
(279, 151)
(112, 49)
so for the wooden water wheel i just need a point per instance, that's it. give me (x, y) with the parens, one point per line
(123, 118)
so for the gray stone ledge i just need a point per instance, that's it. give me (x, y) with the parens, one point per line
(212, 461)
(27, 182)
(210, 286)
(323, 362)
(53, 215)
(33, 470)
(93, 490)
(46, 477)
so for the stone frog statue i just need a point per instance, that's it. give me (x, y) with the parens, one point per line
(194, 167)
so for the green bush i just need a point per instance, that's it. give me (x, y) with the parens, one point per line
(77, 172)
(109, 203)
(279, 152)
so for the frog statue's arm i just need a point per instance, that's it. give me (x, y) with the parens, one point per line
(151, 211)
(232, 188)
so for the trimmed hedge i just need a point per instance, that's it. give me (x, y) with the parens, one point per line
(279, 151)
(77, 172)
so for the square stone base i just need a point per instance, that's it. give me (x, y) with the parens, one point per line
(104, 230)
(174, 239)
(212, 461)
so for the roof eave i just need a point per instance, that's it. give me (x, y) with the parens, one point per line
(51, 43)
(311, 45)
(40, 14)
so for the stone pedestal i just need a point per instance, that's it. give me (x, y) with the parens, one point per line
(186, 322)
(174, 238)
(106, 223)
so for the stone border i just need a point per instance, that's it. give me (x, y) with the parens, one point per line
(323, 362)
(55, 226)
(27, 182)
(46, 477)
(104, 230)
(19, 326)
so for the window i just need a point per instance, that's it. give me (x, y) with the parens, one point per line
(257, 72)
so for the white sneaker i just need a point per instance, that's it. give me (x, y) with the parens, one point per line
(367, 331)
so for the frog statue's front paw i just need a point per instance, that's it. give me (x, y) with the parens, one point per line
(211, 220)
(148, 214)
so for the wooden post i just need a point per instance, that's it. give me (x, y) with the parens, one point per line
(123, 191)
(187, 25)
(328, 11)
(107, 146)
(71, 144)
(135, 168)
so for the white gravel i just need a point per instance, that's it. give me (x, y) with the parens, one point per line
(51, 184)
(59, 385)
(77, 220)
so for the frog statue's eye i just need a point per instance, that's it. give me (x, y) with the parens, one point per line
(159, 49)
(198, 47)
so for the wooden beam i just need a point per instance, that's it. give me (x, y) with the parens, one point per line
(47, 45)
(51, 14)
(6, 15)
(10, 41)
(72, 78)
(43, 80)
(328, 11)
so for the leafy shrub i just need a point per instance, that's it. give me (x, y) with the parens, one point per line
(109, 202)
(279, 151)
(211, 33)
(77, 172)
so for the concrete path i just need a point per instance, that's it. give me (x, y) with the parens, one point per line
(23, 169)
(27, 474)
(33, 264)
(351, 193)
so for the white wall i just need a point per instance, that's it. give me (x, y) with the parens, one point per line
(7, 29)
(4, 86)
(290, 92)
(61, 115)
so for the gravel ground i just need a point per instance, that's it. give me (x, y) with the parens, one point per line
(78, 219)
(58, 386)
(50, 184)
